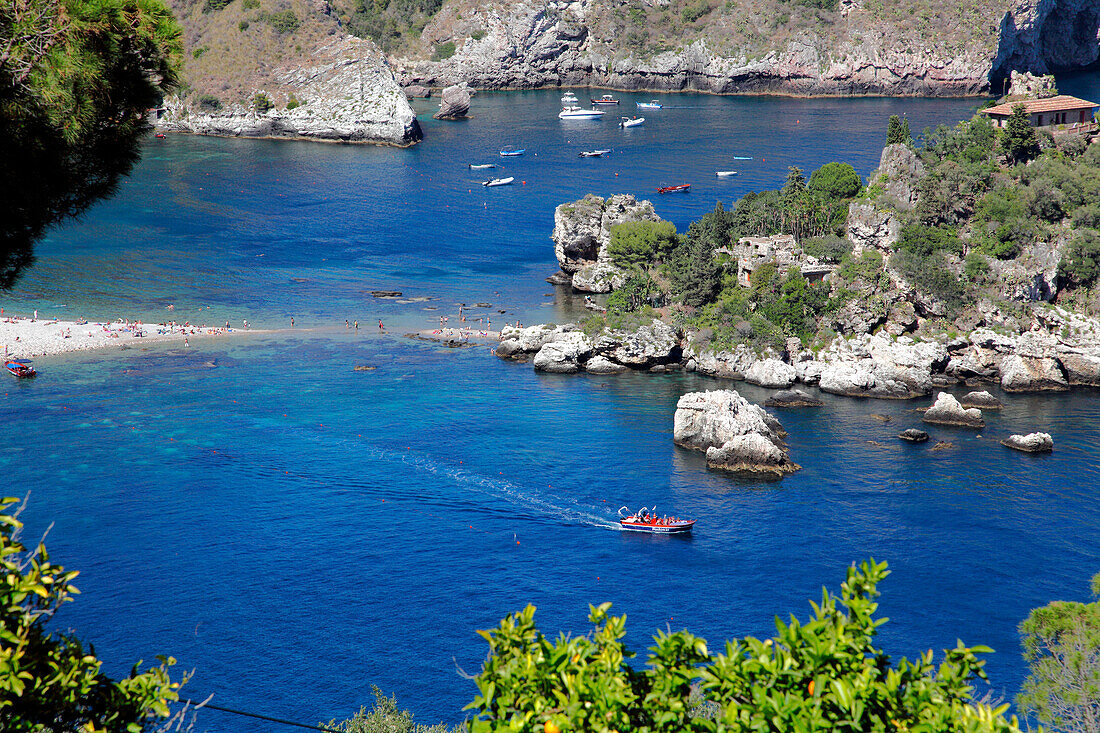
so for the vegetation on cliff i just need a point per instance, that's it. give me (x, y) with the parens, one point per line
(821, 674)
(76, 79)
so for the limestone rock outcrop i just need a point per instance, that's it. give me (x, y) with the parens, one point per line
(736, 435)
(948, 411)
(564, 355)
(348, 94)
(582, 233)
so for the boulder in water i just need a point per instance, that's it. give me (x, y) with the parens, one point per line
(1030, 443)
(736, 435)
(983, 400)
(454, 103)
(913, 435)
(948, 411)
(792, 398)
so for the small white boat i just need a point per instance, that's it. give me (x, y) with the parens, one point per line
(594, 153)
(632, 122)
(498, 181)
(651, 104)
(725, 174)
(510, 152)
(572, 110)
(481, 166)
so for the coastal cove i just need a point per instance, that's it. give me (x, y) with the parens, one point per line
(296, 530)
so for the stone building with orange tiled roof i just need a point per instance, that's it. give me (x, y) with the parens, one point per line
(1059, 111)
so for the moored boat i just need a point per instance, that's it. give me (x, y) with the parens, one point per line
(646, 520)
(674, 189)
(20, 369)
(482, 166)
(512, 152)
(572, 110)
(631, 122)
(725, 174)
(593, 153)
(498, 181)
(651, 104)
(605, 99)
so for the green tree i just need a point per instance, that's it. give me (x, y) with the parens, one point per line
(906, 134)
(835, 181)
(641, 243)
(76, 80)
(1020, 142)
(638, 291)
(796, 182)
(262, 103)
(1081, 262)
(1062, 646)
(384, 717)
(693, 267)
(822, 674)
(893, 131)
(49, 682)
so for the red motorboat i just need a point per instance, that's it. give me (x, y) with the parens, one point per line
(674, 189)
(649, 521)
(19, 369)
(160, 136)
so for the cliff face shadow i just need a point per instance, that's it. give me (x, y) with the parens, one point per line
(1062, 36)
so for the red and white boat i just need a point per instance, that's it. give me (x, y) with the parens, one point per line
(649, 521)
(19, 369)
(674, 189)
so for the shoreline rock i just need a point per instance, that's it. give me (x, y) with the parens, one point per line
(983, 400)
(349, 95)
(792, 398)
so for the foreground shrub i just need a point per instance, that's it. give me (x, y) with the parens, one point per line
(824, 674)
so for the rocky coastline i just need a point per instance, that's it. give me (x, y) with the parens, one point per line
(852, 50)
(349, 94)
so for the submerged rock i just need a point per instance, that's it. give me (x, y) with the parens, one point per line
(913, 435)
(982, 400)
(791, 398)
(1030, 443)
(736, 435)
(948, 411)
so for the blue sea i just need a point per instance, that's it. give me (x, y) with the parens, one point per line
(295, 531)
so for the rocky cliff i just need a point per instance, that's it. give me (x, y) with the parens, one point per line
(347, 92)
(914, 47)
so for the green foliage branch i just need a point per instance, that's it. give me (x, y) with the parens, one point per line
(823, 674)
(48, 680)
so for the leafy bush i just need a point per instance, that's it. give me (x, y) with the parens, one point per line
(821, 674)
(829, 248)
(384, 717)
(641, 243)
(250, 4)
(637, 292)
(213, 6)
(1087, 216)
(292, 102)
(243, 25)
(1081, 262)
(1044, 200)
(443, 51)
(282, 21)
(868, 266)
(261, 102)
(930, 273)
(1073, 145)
(695, 11)
(976, 267)
(923, 240)
(835, 181)
(478, 34)
(209, 103)
(198, 52)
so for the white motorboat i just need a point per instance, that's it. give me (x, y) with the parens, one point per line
(594, 153)
(627, 122)
(651, 104)
(498, 181)
(725, 174)
(481, 166)
(572, 110)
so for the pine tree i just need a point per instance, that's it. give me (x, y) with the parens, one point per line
(1020, 142)
(906, 135)
(893, 131)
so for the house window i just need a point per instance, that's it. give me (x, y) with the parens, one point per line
(1039, 122)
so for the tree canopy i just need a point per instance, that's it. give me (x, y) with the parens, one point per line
(1062, 645)
(49, 681)
(77, 78)
(1020, 142)
(824, 674)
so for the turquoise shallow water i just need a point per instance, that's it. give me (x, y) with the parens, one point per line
(296, 531)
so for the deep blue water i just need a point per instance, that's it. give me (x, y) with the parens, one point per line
(295, 531)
